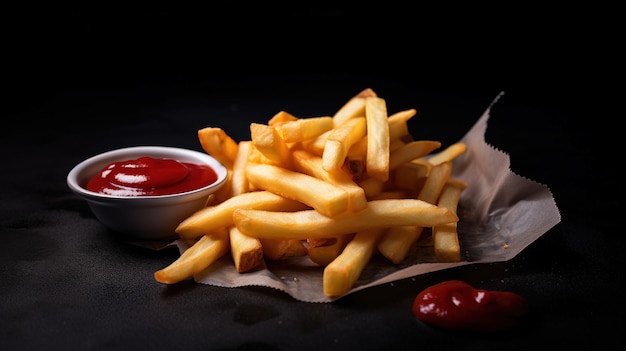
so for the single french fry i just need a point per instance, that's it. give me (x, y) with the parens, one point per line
(445, 236)
(212, 217)
(280, 118)
(304, 128)
(330, 200)
(448, 154)
(398, 127)
(307, 163)
(324, 254)
(436, 180)
(411, 151)
(246, 251)
(239, 180)
(218, 144)
(306, 224)
(199, 256)
(340, 275)
(377, 158)
(355, 107)
(280, 249)
(267, 140)
(339, 142)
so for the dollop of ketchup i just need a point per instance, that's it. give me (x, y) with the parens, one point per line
(457, 306)
(147, 176)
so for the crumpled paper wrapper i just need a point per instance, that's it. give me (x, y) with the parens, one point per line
(500, 213)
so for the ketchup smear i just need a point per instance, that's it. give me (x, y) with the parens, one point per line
(457, 306)
(147, 176)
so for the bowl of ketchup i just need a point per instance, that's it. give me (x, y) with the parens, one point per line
(144, 192)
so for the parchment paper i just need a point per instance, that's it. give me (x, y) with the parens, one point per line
(500, 213)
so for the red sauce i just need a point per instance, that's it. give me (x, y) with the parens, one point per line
(147, 176)
(455, 305)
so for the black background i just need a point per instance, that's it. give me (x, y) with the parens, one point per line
(79, 81)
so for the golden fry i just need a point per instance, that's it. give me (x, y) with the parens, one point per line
(445, 236)
(339, 142)
(239, 181)
(199, 256)
(449, 153)
(267, 140)
(306, 224)
(246, 251)
(280, 118)
(411, 151)
(341, 274)
(377, 158)
(330, 200)
(304, 128)
(218, 144)
(355, 107)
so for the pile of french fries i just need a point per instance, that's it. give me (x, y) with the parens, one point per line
(338, 189)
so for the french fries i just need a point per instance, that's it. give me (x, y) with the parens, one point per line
(337, 189)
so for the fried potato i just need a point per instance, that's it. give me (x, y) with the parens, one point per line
(411, 151)
(199, 256)
(448, 154)
(355, 107)
(267, 140)
(341, 274)
(212, 217)
(304, 128)
(398, 127)
(339, 142)
(445, 236)
(281, 118)
(218, 144)
(239, 181)
(328, 199)
(377, 158)
(246, 251)
(312, 224)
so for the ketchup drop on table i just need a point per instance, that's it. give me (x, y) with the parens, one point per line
(147, 176)
(456, 305)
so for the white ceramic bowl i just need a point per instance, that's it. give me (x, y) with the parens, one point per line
(144, 217)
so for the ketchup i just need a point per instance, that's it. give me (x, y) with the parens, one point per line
(455, 305)
(147, 176)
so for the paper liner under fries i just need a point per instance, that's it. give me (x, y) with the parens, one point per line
(500, 213)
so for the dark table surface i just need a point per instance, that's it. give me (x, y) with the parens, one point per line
(80, 83)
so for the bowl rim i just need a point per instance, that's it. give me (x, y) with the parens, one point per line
(126, 153)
